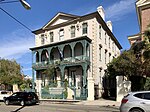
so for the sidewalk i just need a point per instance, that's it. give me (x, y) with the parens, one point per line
(100, 102)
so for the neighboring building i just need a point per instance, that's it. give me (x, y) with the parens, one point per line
(79, 47)
(143, 14)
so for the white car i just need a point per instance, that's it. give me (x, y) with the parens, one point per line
(136, 102)
(4, 94)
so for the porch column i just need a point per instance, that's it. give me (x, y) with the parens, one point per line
(49, 52)
(62, 79)
(84, 49)
(62, 75)
(40, 53)
(85, 88)
(72, 51)
(33, 88)
(38, 84)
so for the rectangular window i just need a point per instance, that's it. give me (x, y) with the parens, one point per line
(113, 46)
(105, 56)
(105, 37)
(84, 28)
(42, 39)
(100, 29)
(51, 36)
(100, 52)
(61, 34)
(72, 31)
(100, 75)
(109, 41)
(109, 57)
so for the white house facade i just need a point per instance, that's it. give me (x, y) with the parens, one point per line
(78, 48)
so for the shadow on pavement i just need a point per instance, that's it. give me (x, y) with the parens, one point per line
(17, 110)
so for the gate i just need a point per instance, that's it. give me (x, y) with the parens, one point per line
(109, 85)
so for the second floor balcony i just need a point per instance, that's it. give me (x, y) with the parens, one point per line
(69, 52)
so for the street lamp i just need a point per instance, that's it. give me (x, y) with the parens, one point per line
(23, 2)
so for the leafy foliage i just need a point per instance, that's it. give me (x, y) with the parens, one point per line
(10, 73)
(134, 63)
(125, 65)
(50, 71)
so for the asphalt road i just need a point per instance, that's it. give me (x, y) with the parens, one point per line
(56, 108)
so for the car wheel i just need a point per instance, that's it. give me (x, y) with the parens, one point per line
(7, 102)
(22, 103)
(136, 110)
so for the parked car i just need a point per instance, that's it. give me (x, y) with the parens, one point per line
(136, 102)
(22, 98)
(4, 94)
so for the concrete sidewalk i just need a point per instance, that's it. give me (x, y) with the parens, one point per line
(100, 102)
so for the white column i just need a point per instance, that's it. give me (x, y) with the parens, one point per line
(90, 88)
(58, 80)
(39, 87)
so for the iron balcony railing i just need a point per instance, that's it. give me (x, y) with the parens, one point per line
(69, 60)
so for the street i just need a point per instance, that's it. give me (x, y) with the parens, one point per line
(56, 108)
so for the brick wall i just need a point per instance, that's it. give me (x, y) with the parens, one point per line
(145, 19)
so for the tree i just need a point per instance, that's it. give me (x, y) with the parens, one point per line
(133, 62)
(124, 65)
(10, 72)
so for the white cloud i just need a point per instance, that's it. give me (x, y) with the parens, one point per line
(27, 69)
(16, 44)
(119, 9)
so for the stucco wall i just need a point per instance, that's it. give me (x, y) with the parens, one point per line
(105, 41)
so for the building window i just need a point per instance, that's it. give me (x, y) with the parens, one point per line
(105, 56)
(61, 34)
(113, 46)
(109, 57)
(100, 52)
(51, 36)
(109, 41)
(72, 31)
(84, 28)
(100, 30)
(42, 39)
(105, 37)
(100, 74)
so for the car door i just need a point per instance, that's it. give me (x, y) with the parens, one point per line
(146, 101)
(13, 98)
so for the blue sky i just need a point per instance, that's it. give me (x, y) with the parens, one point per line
(15, 40)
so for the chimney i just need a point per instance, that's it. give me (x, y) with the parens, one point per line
(100, 10)
(109, 24)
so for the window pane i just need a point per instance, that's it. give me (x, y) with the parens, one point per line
(139, 95)
(147, 96)
(51, 36)
(100, 28)
(72, 31)
(61, 34)
(84, 26)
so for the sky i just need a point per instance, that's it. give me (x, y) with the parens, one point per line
(15, 39)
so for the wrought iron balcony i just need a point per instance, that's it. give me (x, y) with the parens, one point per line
(68, 61)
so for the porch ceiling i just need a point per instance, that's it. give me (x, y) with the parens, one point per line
(62, 42)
